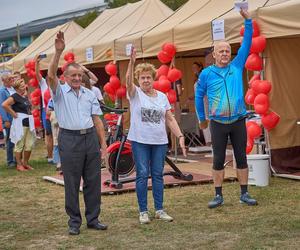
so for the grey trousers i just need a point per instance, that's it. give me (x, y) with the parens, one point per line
(80, 157)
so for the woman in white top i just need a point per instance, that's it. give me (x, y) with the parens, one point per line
(150, 113)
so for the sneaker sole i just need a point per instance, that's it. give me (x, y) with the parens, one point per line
(219, 205)
(243, 202)
(143, 223)
(164, 220)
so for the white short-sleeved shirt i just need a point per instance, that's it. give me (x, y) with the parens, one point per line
(147, 118)
(97, 93)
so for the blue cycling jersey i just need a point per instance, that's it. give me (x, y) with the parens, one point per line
(224, 86)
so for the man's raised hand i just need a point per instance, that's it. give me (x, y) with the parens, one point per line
(60, 42)
(245, 14)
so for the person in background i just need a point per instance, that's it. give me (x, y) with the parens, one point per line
(45, 115)
(17, 75)
(177, 86)
(150, 113)
(55, 132)
(93, 79)
(22, 129)
(5, 92)
(222, 83)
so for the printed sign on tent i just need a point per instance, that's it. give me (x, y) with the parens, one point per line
(218, 30)
(89, 54)
(128, 49)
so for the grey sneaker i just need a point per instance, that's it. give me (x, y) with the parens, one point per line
(216, 202)
(162, 215)
(246, 199)
(144, 217)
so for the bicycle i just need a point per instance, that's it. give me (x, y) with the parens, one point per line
(120, 158)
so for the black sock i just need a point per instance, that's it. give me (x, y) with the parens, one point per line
(244, 189)
(218, 191)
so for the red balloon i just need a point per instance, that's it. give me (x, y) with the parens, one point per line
(163, 57)
(112, 97)
(33, 82)
(174, 74)
(30, 73)
(250, 96)
(170, 49)
(249, 146)
(47, 96)
(162, 71)
(254, 130)
(30, 65)
(37, 122)
(115, 82)
(261, 86)
(261, 104)
(253, 78)
(254, 62)
(109, 89)
(121, 92)
(62, 78)
(35, 113)
(63, 68)
(69, 56)
(164, 85)
(258, 44)
(36, 101)
(155, 85)
(111, 69)
(171, 96)
(255, 29)
(36, 93)
(270, 120)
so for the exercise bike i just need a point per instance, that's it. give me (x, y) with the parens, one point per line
(120, 158)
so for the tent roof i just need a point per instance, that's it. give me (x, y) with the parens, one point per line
(189, 27)
(132, 18)
(43, 44)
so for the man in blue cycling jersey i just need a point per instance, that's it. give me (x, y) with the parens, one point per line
(222, 83)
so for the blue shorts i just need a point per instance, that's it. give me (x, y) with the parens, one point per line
(43, 114)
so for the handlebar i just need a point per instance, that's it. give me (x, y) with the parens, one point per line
(109, 109)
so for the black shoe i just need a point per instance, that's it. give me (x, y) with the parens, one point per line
(74, 231)
(98, 226)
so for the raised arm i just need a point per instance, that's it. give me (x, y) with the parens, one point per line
(129, 74)
(243, 51)
(59, 47)
(37, 60)
(90, 74)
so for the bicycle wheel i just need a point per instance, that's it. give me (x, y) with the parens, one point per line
(126, 164)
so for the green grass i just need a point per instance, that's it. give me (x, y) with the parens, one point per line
(32, 216)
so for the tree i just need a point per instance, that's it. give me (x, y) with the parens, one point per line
(173, 4)
(86, 19)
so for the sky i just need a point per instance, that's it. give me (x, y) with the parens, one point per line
(13, 12)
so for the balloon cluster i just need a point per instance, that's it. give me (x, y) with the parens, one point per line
(165, 74)
(257, 94)
(113, 88)
(35, 96)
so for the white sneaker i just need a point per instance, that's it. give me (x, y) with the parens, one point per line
(162, 215)
(144, 218)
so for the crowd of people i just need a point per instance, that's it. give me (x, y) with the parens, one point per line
(75, 135)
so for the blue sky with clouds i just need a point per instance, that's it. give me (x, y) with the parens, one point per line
(13, 12)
